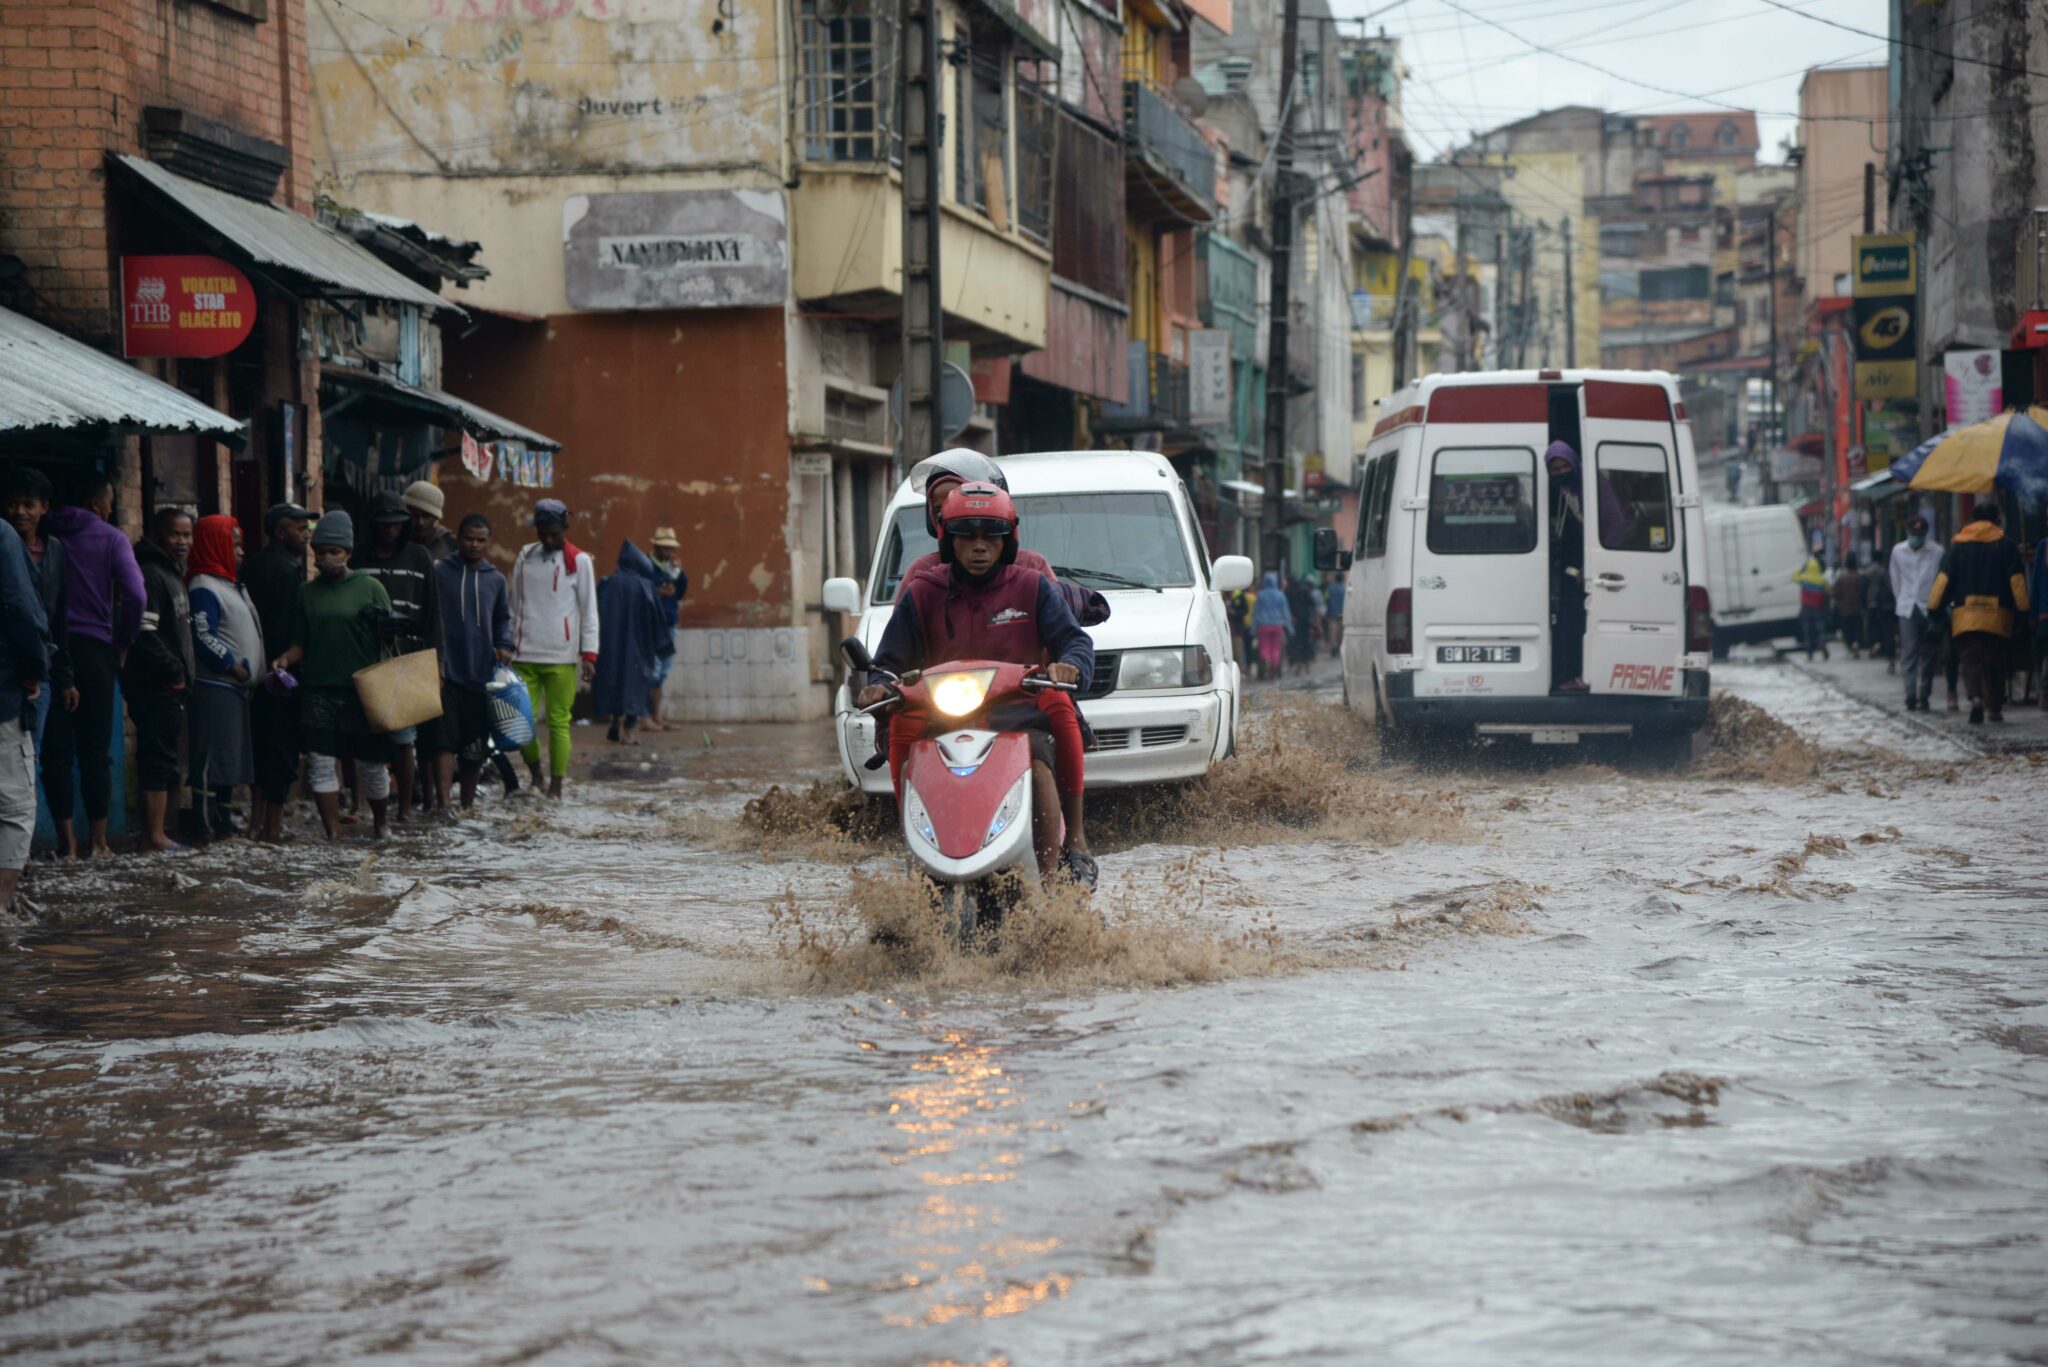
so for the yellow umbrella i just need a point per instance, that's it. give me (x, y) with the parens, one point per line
(2009, 451)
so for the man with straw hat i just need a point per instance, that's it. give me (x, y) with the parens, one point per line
(675, 583)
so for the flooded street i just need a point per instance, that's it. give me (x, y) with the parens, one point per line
(1554, 1064)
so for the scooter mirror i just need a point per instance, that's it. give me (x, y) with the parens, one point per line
(856, 654)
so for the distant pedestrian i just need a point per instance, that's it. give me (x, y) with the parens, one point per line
(157, 677)
(273, 578)
(2037, 597)
(1914, 564)
(103, 614)
(1881, 612)
(227, 641)
(1333, 618)
(636, 635)
(1984, 586)
(1813, 607)
(334, 635)
(24, 672)
(555, 631)
(425, 502)
(675, 583)
(1273, 620)
(1848, 591)
(1301, 642)
(406, 571)
(25, 499)
(476, 637)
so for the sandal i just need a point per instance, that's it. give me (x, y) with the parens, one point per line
(1080, 866)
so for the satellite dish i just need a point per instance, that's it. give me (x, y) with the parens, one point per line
(956, 402)
(1191, 96)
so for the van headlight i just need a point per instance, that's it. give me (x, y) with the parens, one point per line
(1172, 667)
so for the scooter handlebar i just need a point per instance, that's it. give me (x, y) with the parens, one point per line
(1038, 683)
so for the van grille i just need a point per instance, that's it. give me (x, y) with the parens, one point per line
(1148, 738)
(1103, 682)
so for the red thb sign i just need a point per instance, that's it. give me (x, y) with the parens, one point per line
(183, 306)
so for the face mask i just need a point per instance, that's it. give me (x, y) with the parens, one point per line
(1917, 540)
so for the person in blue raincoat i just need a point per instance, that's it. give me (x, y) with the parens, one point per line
(1273, 620)
(636, 635)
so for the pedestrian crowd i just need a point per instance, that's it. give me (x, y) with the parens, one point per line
(1279, 628)
(1972, 612)
(246, 673)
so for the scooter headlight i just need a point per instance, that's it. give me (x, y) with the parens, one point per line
(959, 695)
(1012, 808)
(917, 818)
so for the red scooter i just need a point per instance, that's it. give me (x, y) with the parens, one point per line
(968, 817)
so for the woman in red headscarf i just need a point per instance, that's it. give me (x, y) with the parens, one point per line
(227, 645)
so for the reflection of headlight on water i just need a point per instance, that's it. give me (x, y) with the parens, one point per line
(956, 695)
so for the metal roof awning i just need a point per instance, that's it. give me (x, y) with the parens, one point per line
(270, 236)
(1879, 485)
(49, 382)
(1242, 486)
(442, 408)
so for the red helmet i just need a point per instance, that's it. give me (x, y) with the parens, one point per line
(978, 509)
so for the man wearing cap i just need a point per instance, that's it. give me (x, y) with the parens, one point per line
(406, 571)
(334, 634)
(425, 502)
(674, 584)
(554, 630)
(273, 577)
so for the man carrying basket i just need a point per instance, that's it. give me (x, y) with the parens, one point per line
(335, 634)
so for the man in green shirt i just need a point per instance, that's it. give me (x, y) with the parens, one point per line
(336, 634)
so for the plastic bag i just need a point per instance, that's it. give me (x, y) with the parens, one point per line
(511, 709)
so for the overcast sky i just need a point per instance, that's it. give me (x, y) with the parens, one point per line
(1466, 74)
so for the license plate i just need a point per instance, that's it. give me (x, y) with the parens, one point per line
(1478, 655)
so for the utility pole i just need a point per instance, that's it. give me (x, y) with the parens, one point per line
(1571, 330)
(1404, 301)
(924, 331)
(1278, 298)
(1461, 341)
(1869, 197)
(1771, 438)
(1526, 315)
(1502, 276)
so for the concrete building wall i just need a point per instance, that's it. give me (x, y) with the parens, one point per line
(1835, 144)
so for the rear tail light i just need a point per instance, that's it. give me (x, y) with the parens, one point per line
(1699, 621)
(1400, 624)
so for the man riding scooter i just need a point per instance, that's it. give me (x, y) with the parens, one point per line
(937, 477)
(989, 607)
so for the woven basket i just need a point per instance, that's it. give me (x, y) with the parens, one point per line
(402, 691)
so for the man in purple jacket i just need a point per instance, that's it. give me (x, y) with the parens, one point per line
(104, 588)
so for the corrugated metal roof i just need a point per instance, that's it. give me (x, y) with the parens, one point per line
(478, 420)
(277, 237)
(49, 381)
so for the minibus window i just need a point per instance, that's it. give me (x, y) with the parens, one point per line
(1639, 474)
(1368, 489)
(1383, 500)
(1482, 501)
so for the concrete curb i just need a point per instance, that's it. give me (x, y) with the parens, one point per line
(1969, 743)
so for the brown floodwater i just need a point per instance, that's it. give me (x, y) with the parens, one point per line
(1543, 1063)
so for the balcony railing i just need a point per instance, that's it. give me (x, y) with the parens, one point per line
(1167, 152)
(1158, 396)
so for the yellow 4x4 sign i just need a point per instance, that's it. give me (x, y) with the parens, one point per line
(1887, 344)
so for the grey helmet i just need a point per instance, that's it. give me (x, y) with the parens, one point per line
(962, 463)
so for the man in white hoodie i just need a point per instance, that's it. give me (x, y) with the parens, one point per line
(554, 631)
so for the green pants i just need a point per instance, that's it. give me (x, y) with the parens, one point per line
(553, 690)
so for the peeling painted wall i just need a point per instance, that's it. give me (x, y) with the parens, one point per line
(543, 87)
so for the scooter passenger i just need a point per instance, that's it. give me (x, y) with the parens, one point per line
(936, 477)
(989, 607)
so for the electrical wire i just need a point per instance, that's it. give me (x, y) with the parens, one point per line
(1907, 43)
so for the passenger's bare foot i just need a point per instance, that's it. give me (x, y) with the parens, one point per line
(555, 787)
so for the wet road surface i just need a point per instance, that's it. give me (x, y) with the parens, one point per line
(1531, 1063)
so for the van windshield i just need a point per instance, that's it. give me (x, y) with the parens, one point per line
(1101, 541)
(1482, 501)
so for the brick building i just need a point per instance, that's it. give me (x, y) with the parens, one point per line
(178, 131)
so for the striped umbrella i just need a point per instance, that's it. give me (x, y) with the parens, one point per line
(2008, 452)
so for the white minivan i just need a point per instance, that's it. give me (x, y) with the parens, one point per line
(1448, 609)
(1164, 699)
(1753, 554)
